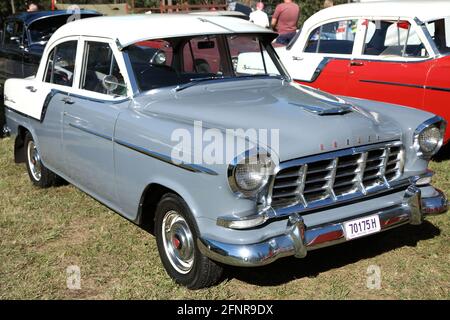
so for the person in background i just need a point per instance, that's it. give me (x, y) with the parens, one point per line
(259, 17)
(284, 21)
(32, 7)
(328, 3)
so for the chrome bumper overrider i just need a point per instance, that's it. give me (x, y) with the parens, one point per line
(298, 238)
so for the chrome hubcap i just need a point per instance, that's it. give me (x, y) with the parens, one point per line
(34, 160)
(178, 242)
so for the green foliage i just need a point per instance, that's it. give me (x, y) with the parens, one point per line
(310, 7)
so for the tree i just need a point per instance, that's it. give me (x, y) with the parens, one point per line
(309, 7)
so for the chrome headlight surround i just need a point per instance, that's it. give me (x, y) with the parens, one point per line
(432, 124)
(256, 162)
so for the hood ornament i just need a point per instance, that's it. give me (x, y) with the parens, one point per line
(333, 108)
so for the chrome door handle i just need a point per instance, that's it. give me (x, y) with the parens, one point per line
(31, 88)
(67, 100)
(354, 63)
(297, 58)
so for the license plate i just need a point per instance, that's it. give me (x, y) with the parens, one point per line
(361, 227)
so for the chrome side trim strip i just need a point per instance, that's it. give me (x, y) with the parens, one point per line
(95, 133)
(418, 86)
(187, 166)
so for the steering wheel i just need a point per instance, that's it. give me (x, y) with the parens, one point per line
(60, 77)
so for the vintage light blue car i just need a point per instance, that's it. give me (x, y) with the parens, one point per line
(221, 155)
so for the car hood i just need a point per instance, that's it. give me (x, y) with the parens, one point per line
(274, 104)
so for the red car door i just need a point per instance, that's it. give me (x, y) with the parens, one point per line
(393, 66)
(389, 81)
(324, 61)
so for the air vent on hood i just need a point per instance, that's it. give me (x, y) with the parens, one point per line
(331, 109)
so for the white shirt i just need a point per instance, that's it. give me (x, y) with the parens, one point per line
(259, 18)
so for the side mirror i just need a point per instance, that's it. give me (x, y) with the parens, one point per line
(159, 58)
(110, 83)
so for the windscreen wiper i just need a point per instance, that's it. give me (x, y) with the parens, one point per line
(195, 81)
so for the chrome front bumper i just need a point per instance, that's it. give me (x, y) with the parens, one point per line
(299, 239)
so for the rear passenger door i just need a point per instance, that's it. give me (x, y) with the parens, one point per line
(324, 59)
(89, 119)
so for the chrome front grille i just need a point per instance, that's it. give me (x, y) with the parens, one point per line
(336, 176)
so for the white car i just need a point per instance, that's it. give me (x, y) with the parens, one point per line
(391, 51)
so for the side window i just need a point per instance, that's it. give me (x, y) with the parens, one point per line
(392, 38)
(61, 64)
(440, 33)
(100, 70)
(13, 33)
(335, 37)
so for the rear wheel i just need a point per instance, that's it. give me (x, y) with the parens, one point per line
(38, 173)
(176, 238)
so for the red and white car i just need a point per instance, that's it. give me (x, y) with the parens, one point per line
(396, 52)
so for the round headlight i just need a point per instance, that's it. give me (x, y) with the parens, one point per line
(429, 136)
(429, 139)
(250, 174)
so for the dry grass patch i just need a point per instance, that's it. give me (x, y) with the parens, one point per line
(42, 232)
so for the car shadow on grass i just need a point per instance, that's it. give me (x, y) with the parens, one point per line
(443, 154)
(326, 259)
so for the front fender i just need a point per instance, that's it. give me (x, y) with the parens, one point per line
(143, 156)
(405, 118)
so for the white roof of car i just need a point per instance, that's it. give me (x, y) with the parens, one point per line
(424, 10)
(133, 28)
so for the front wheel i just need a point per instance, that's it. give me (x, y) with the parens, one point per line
(38, 173)
(176, 238)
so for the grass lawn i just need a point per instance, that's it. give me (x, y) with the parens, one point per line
(42, 232)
